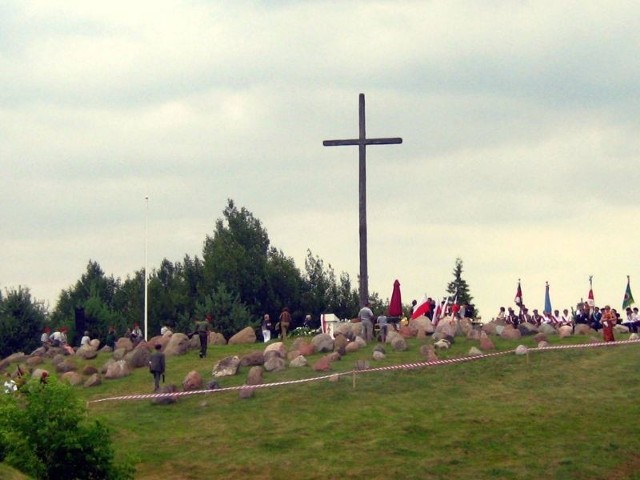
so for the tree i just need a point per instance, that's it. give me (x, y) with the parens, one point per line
(230, 315)
(45, 433)
(236, 255)
(21, 322)
(458, 286)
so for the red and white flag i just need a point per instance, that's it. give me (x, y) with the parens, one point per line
(421, 309)
(518, 299)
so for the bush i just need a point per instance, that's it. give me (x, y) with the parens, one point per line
(45, 433)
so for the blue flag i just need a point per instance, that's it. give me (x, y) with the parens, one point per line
(547, 300)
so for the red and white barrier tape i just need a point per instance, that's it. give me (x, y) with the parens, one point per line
(406, 366)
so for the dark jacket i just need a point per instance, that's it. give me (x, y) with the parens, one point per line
(156, 362)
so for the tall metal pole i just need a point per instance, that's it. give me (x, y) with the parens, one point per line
(146, 273)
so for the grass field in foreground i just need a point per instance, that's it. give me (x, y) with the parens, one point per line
(563, 414)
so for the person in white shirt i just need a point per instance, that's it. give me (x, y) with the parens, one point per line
(85, 339)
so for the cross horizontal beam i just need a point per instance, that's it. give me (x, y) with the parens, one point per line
(357, 141)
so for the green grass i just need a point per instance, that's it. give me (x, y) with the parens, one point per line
(562, 414)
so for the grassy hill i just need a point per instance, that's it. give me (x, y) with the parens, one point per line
(562, 414)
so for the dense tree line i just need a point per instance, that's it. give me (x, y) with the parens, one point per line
(239, 278)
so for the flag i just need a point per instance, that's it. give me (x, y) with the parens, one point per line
(518, 299)
(628, 297)
(422, 309)
(438, 313)
(590, 300)
(547, 299)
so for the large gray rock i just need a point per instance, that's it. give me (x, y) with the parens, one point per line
(422, 323)
(299, 361)
(138, 358)
(72, 378)
(485, 342)
(547, 329)
(583, 329)
(254, 377)
(399, 344)
(510, 333)
(66, 365)
(275, 349)
(274, 364)
(565, 331)
(323, 342)
(252, 359)
(178, 345)
(244, 336)
(117, 369)
(125, 343)
(226, 367)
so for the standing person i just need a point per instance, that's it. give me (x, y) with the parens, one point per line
(266, 328)
(366, 319)
(382, 323)
(202, 329)
(157, 366)
(44, 338)
(608, 320)
(111, 338)
(285, 321)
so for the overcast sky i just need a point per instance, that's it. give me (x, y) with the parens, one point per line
(520, 122)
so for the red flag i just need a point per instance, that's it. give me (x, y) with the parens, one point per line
(518, 299)
(422, 309)
(590, 301)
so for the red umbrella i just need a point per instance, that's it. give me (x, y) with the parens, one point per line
(395, 305)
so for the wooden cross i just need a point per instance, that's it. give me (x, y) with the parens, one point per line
(362, 141)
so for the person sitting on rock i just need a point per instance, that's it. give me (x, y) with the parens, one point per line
(84, 342)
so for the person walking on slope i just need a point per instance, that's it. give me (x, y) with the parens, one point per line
(202, 329)
(367, 318)
(285, 321)
(157, 366)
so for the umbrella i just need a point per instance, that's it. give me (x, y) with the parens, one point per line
(395, 305)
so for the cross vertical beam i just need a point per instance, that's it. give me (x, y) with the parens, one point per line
(362, 141)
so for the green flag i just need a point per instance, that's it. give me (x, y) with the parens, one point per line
(628, 297)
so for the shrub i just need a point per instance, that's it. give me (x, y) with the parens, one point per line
(45, 433)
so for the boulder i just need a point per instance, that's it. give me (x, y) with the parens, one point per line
(106, 349)
(299, 361)
(584, 329)
(246, 335)
(275, 349)
(323, 364)
(510, 333)
(616, 329)
(93, 381)
(565, 331)
(38, 372)
(254, 376)
(94, 344)
(138, 358)
(323, 343)
(540, 337)
(547, 329)
(543, 344)
(165, 398)
(216, 338)
(40, 351)
(66, 365)
(352, 347)
(72, 378)
(306, 349)
(178, 345)
(58, 358)
(119, 353)
(399, 344)
(192, 381)
(485, 342)
(442, 344)
(117, 369)
(521, 350)
(89, 370)
(226, 367)
(15, 358)
(527, 329)
(406, 332)
(633, 336)
(246, 392)
(161, 340)
(125, 343)
(252, 359)
(422, 323)
(378, 355)
(340, 343)
(274, 364)
(362, 365)
(474, 352)
(35, 360)
(428, 352)
(489, 328)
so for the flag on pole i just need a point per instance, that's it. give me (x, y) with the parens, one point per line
(628, 297)
(547, 300)
(518, 299)
(422, 309)
(590, 300)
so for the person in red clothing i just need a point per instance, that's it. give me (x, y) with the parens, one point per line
(608, 320)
